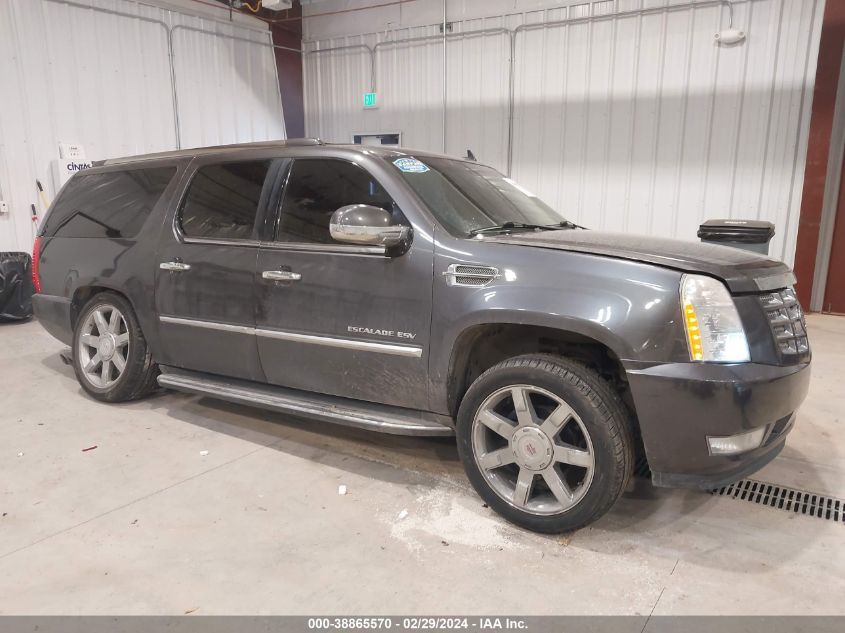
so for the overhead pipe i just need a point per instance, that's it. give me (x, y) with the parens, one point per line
(170, 49)
(195, 29)
(372, 50)
(161, 23)
(512, 33)
(445, 103)
(211, 18)
(350, 10)
(581, 19)
(334, 49)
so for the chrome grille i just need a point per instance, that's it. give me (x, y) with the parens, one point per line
(787, 322)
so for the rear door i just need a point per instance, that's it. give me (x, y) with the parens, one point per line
(342, 319)
(205, 294)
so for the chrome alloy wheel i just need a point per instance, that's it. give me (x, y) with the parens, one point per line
(533, 449)
(103, 346)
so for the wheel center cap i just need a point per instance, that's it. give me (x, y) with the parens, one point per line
(532, 448)
(106, 347)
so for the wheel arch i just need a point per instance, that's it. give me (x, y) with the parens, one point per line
(83, 294)
(479, 347)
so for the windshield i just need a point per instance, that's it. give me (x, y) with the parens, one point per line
(466, 197)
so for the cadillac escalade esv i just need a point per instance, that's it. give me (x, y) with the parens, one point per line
(418, 294)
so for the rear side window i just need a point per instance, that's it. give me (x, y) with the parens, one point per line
(113, 204)
(317, 188)
(222, 200)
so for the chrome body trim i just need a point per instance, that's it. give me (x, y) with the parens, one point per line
(343, 343)
(775, 282)
(211, 325)
(217, 242)
(325, 248)
(410, 351)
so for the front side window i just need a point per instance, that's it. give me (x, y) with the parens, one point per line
(467, 197)
(316, 188)
(222, 200)
(113, 204)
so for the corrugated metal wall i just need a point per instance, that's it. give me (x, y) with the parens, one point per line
(71, 74)
(636, 122)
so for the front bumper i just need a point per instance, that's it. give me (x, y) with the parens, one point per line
(680, 404)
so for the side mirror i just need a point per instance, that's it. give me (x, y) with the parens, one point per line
(368, 225)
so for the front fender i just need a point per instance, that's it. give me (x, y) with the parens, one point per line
(629, 307)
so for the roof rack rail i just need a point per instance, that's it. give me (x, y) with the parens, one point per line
(200, 151)
(303, 141)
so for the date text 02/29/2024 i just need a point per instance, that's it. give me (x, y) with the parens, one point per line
(418, 623)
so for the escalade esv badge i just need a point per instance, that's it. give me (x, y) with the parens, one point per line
(557, 356)
(377, 332)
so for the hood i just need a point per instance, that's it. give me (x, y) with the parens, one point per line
(741, 270)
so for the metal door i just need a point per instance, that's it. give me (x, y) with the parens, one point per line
(340, 319)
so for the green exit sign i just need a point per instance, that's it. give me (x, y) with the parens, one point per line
(370, 100)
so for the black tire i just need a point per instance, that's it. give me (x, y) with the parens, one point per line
(601, 412)
(138, 378)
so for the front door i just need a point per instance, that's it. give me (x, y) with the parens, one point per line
(205, 289)
(341, 319)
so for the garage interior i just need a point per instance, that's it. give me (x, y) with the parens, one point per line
(638, 116)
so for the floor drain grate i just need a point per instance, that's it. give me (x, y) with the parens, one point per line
(787, 499)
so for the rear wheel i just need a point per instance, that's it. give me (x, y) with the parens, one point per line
(546, 442)
(110, 354)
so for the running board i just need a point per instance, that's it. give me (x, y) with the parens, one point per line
(355, 413)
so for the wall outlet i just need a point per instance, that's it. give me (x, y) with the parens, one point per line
(4, 208)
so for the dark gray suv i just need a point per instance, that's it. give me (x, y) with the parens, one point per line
(418, 294)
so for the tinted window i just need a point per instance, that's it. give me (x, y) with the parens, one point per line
(318, 188)
(113, 204)
(222, 200)
(466, 196)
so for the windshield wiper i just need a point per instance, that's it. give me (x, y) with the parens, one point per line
(566, 224)
(509, 226)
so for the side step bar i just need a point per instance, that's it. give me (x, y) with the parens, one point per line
(359, 414)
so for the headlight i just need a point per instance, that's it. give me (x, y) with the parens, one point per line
(714, 330)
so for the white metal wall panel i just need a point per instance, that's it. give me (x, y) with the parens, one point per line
(411, 96)
(409, 81)
(76, 75)
(476, 116)
(638, 123)
(334, 90)
(227, 88)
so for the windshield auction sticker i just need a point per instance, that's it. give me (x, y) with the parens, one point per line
(411, 165)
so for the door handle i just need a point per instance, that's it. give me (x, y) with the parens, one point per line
(174, 266)
(281, 275)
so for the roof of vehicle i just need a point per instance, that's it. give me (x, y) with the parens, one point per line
(292, 142)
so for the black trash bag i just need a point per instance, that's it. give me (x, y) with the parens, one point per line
(15, 286)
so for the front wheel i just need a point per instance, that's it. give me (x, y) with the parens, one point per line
(546, 442)
(110, 355)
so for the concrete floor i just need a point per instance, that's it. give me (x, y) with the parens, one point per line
(146, 524)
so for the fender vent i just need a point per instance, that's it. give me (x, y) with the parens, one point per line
(471, 276)
(788, 499)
